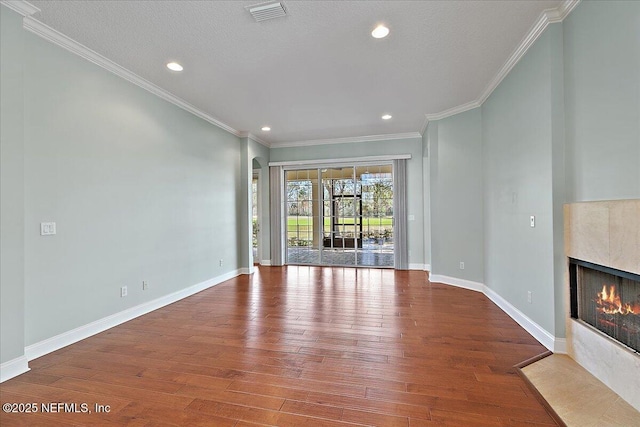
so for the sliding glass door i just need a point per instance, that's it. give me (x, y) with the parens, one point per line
(302, 216)
(340, 215)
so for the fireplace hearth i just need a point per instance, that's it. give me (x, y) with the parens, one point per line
(606, 299)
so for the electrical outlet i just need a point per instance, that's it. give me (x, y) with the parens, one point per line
(220, 263)
(529, 297)
(461, 265)
(47, 228)
(532, 221)
(123, 291)
(145, 285)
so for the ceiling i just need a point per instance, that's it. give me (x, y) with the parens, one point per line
(315, 74)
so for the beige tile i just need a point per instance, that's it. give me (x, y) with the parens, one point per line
(624, 217)
(577, 396)
(620, 413)
(588, 232)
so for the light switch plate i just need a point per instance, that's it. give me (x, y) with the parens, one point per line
(47, 228)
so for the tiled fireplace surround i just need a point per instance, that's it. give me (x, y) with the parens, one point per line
(605, 233)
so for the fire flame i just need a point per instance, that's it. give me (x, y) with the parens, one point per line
(609, 302)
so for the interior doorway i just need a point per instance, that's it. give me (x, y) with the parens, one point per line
(340, 215)
(255, 225)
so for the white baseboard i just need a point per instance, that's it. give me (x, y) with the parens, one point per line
(557, 345)
(66, 338)
(13, 368)
(538, 332)
(454, 281)
(246, 270)
(421, 267)
(265, 262)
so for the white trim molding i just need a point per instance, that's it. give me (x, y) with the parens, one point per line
(423, 128)
(559, 13)
(57, 38)
(557, 345)
(347, 140)
(22, 7)
(345, 160)
(266, 262)
(66, 338)
(247, 271)
(253, 137)
(548, 16)
(538, 332)
(453, 111)
(13, 368)
(454, 281)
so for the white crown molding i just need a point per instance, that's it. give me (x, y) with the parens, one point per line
(26, 9)
(548, 16)
(13, 368)
(55, 37)
(22, 7)
(453, 111)
(66, 338)
(259, 140)
(347, 140)
(423, 128)
(244, 134)
(558, 14)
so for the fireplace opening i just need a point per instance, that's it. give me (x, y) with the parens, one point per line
(607, 299)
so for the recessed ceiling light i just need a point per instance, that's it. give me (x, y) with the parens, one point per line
(174, 66)
(386, 117)
(380, 32)
(266, 128)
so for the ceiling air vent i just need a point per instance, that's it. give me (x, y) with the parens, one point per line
(270, 10)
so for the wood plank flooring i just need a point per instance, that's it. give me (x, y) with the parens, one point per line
(291, 346)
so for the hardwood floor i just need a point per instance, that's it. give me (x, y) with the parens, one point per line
(296, 346)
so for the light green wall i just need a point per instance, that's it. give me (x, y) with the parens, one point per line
(455, 148)
(563, 126)
(11, 187)
(602, 91)
(139, 189)
(558, 176)
(517, 156)
(415, 191)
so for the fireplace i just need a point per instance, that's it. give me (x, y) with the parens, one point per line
(607, 299)
(604, 233)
